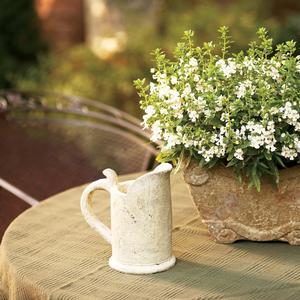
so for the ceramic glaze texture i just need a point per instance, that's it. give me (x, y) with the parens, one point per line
(141, 220)
(233, 212)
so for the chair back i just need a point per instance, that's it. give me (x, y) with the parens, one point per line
(52, 142)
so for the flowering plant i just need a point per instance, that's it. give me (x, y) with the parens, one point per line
(242, 110)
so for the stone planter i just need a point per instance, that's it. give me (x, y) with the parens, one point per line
(233, 212)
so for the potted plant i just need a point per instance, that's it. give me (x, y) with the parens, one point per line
(233, 122)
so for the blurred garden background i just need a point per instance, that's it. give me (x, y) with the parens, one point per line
(96, 48)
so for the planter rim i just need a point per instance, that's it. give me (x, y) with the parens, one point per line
(287, 173)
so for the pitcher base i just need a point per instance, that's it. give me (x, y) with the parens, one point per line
(147, 269)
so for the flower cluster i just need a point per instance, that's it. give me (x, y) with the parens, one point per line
(242, 111)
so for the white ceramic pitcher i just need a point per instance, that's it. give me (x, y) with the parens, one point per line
(141, 220)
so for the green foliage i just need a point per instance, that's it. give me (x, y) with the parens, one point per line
(19, 39)
(237, 109)
(80, 72)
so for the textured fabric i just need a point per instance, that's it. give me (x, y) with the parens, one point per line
(49, 252)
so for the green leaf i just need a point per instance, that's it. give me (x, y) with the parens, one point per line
(230, 156)
(256, 182)
(179, 163)
(268, 155)
(212, 163)
(279, 160)
(251, 151)
(274, 170)
(232, 162)
(263, 165)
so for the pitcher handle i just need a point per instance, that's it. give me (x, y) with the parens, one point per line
(86, 202)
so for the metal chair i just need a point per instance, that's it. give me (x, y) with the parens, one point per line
(51, 142)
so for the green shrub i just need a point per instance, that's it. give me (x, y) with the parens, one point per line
(241, 110)
(19, 39)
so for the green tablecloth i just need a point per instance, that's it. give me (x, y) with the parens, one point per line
(49, 252)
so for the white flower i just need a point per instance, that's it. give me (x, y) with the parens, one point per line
(289, 114)
(187, 143)
(274, 110)
(163, 111)
(297, 144)
(190, 67)
(179, 129)
(243, 87)
(163, 91)
(208, 154)
(173, 96)
(171, 139)
(173, 80)
(239, 154)
(193, 62)
(178, 114)
(196, 78)
(289, 153)
(228, 69)
(274, 73)
(221, 63)
(241, 91)
(150, 111)
(153, 88)
(186, 91)
(224, 117)
(220, 100)
(176, 106)
(249, 63)
(193, 115)
(156, 131)
(217, 149)
(207, 112)
(200, 103)
(231, 69)
(240, 134)
(260, 136)
(161, 78)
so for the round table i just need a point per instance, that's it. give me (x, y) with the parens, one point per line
(49, 252)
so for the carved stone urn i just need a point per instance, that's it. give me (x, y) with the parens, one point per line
(232, 211)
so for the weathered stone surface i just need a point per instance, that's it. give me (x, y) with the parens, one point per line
(233, 212)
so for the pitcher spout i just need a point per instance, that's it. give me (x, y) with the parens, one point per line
(163, 168)
(156, 180)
